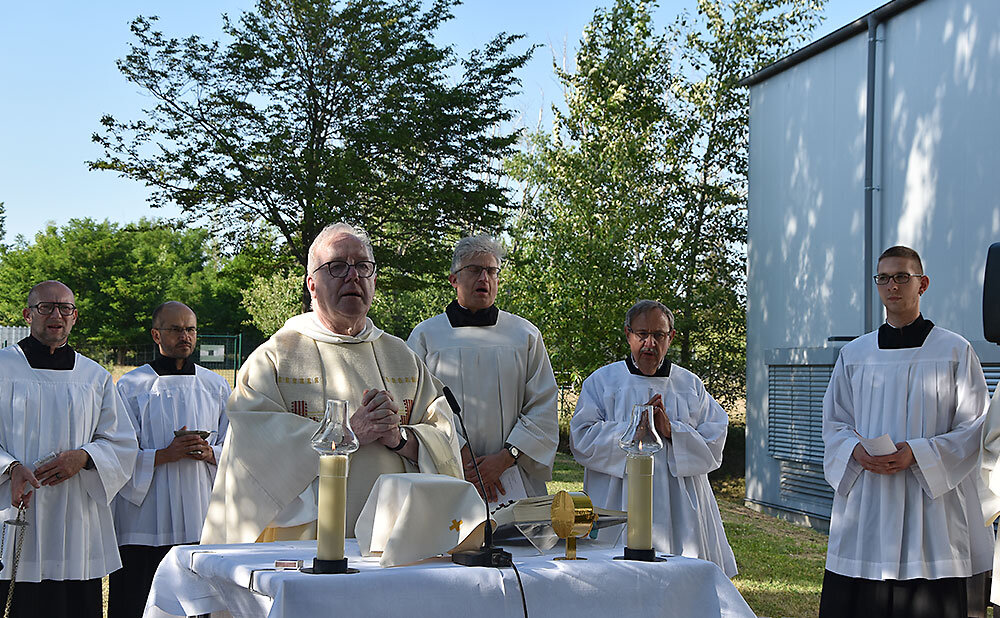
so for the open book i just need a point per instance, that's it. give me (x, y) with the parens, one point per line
(539, 510)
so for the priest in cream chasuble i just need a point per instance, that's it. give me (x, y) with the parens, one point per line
(266, 486)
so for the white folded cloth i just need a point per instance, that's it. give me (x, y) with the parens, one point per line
(410, 517)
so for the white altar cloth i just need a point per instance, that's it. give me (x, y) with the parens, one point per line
(199, 579)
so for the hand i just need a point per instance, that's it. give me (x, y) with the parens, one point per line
(885, 464)
(20, 477)
(62, 468)
(190, 446)
(490, 467)
(660, 420)
(376, 419)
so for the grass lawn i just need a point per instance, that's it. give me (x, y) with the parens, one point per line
(781, 565)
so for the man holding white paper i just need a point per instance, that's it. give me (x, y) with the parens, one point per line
(906, 530)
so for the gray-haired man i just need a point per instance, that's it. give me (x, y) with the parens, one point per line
(496, 364)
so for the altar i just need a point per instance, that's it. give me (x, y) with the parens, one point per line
(242, 579)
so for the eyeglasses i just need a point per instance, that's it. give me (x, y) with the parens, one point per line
(179, 330)
(658, 335)
(339, 269)
(491, 271)
(900, 278)
(65, 309)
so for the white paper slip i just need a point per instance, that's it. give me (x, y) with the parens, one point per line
(513, 485)
(882, 445)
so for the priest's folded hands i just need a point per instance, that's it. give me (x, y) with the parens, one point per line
(376, 418)
(885, 464)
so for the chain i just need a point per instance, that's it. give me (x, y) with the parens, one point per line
(19, 524)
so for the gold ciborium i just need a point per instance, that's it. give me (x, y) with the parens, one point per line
(572, 516)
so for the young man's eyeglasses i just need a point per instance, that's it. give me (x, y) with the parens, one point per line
(658, 335)
(476, 270)
(339, 269)
(65, 309)
(900, 278)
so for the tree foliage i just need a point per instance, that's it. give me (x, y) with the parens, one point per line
(639, 190)
(120, 274)
(320, 111)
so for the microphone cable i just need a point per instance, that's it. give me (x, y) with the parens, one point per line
(520, 586)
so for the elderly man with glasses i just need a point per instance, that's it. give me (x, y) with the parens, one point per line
(497, 366)
(906, 531)
(693, 427)
(178, 409)
(266, 487)
(66, 448)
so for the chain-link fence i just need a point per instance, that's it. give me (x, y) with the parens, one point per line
(222, 354)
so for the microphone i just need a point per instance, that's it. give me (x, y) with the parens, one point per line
(487, 555)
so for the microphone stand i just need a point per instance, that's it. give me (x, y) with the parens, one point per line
(487, 555)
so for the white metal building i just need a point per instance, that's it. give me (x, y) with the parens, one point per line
(885, 132)
(9, 335)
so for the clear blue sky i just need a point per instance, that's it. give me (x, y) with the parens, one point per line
(58, 76)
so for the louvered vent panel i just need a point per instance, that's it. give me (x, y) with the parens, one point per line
(805, 482)
(795, 412)
(992, 372)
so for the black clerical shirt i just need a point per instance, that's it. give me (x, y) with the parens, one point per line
(166, 366)
(662, 372)
(39, 356)
(460, 316)
(910, 336)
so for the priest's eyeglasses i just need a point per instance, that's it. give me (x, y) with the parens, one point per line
(900, 278)
(180, 330)
(658, 335)
(65, 309)
(339, 269)
(476, 270)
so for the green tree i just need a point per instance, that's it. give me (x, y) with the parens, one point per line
(319, 111)
(120, 274)
(638, 192)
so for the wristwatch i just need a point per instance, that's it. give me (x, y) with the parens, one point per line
(513, 450)
(402, 440)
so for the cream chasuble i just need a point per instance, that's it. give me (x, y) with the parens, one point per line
(70, 532)
(686, 517)
(166, 504)
(923, 522)
(268, 466)
(503, 380)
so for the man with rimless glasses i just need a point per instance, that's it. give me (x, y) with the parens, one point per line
(906, 531)
(686, 519)
(166, 500)
(497, 366)
(266, 487)
(66, 448)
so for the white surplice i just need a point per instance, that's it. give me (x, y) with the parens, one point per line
(686, 518)
(70, 532)
(924, 522)
(167, 504)
(504, 383)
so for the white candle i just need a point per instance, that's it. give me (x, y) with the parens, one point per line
(332, 507)
(639, 471)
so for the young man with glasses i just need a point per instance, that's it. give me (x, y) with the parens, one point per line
(266, 488)
(66, 439)
(693, 426)
(496, 364)
(906, 530)
(166, 500)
